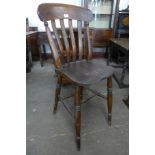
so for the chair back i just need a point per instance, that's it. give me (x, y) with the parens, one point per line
(65, 45)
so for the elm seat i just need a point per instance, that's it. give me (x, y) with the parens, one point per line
(72, 56)
(85, 72)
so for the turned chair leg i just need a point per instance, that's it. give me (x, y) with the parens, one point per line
(57, 93)
(109, 98)
(77, 115)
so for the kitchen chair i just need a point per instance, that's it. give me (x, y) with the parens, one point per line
(73, 57)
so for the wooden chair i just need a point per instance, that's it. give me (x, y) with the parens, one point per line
(73, 60)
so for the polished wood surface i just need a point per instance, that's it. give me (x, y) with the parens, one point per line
(52, 11)
(85, 72)
(122, 42)
(30, 33)
(73, 58)
(48, 12)
(101, 37)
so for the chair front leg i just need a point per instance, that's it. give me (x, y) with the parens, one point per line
(77, 115)
(109, 98)
(57, 92)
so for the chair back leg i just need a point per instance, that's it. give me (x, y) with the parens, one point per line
(109, 98)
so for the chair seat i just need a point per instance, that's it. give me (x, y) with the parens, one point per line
(85, 72)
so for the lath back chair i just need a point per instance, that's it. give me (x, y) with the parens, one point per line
(73, 58)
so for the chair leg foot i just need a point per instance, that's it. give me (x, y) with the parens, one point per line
(78, 143)
(55, 107)
(57, 92)
(56, 101)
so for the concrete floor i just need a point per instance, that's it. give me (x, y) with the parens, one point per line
(49, 134)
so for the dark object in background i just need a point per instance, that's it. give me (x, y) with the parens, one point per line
(123, 23)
